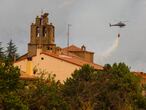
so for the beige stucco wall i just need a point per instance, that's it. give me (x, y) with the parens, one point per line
(49, 64)
(87, 56)
(52, 65)
(21, 64)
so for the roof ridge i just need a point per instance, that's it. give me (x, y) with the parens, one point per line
(74, 60)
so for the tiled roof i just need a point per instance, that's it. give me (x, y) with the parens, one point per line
(68, 58)
(140, 74)
(74, 48)
(25, 56)
(22, 57)
(73, 60)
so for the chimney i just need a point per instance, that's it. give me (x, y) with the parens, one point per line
(83, 48)
(29, 64)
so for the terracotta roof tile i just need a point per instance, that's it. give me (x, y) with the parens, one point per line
(73, 60)
(140, 74)
(74, 48)
(22, 57)
(25, 56)
(68, 58)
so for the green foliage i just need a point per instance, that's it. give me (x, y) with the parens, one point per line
(40, 94)
(121, 88)
(1, 52)
(78, 90)
(114, 88)
(9, 87)
(12, 101)
(44, 94)
(16, 94)
(11, 51)
(9, 76)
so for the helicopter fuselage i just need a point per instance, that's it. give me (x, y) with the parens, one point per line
(120, 24)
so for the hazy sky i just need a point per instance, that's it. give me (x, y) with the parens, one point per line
(90, 26)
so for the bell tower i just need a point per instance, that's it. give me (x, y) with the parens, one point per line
(41, 35)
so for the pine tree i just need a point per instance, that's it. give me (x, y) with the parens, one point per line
(1, 52)
(11, 52)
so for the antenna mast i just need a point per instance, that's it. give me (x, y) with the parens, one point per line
(68, 34)
(42, 11)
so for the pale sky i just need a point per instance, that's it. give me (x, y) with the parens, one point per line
(90, 26)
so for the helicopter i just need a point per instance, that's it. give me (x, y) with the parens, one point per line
(120, 24)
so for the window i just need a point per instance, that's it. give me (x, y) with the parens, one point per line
(50, 48)
(38, 32)
(42, 58)
(29, 58)
(44, 31)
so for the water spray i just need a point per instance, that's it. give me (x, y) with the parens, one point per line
(108, 53)
(111, 49)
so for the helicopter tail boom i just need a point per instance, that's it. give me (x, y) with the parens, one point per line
(110, 25)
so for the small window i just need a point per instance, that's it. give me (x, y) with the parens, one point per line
(29, 58)
(50, 48)
(38, 32)
(34, 72)
(42, 58)
(44, 31)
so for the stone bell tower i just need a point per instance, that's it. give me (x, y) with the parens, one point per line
(41, 35)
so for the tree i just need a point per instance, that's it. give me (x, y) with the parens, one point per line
(12, 101)
(10, 87)
(120, 90)
(44, 94)
(79, 90)
(9, 76)
(1, 52)
(113, 88)
(38, 94)
(11, 52)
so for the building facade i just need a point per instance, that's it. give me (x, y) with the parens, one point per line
(42, 35)
(44, 56)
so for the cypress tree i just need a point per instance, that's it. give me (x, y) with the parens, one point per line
(1, 52)
(11, 52)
